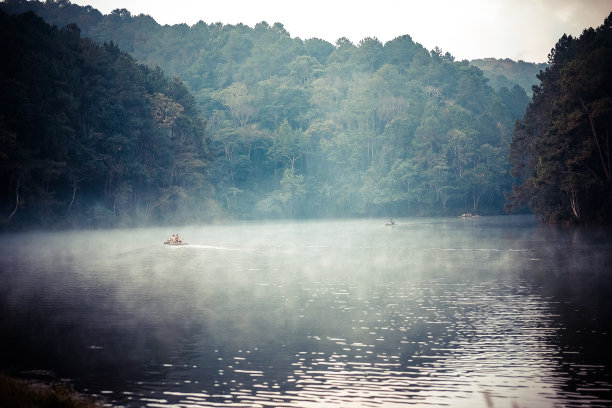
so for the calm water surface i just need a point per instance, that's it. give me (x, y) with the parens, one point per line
(490, 311)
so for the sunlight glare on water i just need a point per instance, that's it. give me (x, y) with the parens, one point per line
(446, 312)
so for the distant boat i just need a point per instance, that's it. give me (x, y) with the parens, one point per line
(175, 241)
(170, 242)
(389, 223)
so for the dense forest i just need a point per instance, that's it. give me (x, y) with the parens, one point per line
(253, 124)
(506, 73)
(89, 137)
(562, 148)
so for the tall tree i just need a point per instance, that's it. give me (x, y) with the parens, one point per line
(562, 149)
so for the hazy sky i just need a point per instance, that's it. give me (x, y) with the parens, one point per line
(468, 29)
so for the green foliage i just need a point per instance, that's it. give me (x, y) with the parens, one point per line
(293, 128)
(286, 201)
(91, 138)
(561, 151)
(505, 73)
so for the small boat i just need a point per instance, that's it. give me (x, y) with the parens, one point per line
(175, 241)
(389, 223)
(170, 242)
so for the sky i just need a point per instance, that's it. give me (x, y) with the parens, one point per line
(468, 29)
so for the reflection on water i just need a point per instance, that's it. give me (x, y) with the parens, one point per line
(459, 312)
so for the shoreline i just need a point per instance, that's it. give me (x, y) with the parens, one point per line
(24, 393)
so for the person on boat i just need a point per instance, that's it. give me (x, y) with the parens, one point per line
(175, 240)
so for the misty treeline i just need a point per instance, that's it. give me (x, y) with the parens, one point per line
(258, 125)
(89, 137)
(508, 73)
(562, 148)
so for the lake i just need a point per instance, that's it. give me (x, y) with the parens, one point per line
(482, 311)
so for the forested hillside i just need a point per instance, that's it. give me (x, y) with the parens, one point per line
(305, 128)
(505, 73)
(88, 137)
(562, 148)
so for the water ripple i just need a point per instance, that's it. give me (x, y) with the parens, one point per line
(490, 345)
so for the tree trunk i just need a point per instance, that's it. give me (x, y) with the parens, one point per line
(574, 204)
(605, 164)
(16, 201)
(74, 189)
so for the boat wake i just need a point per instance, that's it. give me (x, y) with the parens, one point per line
(215, 247)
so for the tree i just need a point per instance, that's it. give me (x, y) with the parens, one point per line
(288, 145)
(561, 149)
(238, 99)
(515, 100)
(285, 201)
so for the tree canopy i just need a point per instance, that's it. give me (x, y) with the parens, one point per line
(89, 137)
(562, 148)
(506, 73)
(253, 124)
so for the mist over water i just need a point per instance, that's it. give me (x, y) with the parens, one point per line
(458, 312)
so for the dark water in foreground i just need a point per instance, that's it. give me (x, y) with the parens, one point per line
(436, 312)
